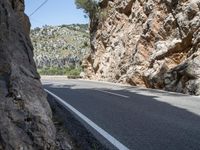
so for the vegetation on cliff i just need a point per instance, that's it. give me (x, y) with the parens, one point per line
(90, 7)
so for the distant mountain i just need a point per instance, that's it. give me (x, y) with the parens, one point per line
(61, 46)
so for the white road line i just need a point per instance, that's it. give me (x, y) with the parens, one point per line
(116, 94)
(106, 135)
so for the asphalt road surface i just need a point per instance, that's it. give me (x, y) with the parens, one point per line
(125, 117)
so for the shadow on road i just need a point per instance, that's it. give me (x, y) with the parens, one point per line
(139, 122)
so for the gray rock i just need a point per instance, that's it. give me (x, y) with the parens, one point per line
(25, 115)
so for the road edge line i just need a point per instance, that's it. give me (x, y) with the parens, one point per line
(106, 135)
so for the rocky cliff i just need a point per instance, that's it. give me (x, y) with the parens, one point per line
(152, 43)
(25, 115)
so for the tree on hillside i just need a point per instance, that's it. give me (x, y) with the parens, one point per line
(92, 10)
(90, 7)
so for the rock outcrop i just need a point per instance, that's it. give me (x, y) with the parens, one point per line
(25, 115)
(152, 43)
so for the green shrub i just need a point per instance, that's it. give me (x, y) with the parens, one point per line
(60, 71)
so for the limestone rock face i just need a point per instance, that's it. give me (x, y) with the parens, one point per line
(152, 43)
(25, 115)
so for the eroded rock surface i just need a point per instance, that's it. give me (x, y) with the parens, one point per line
(152, 43)
(25, 115)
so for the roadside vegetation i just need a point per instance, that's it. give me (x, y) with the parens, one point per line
(75, 72)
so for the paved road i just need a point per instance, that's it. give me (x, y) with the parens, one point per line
(140, 119)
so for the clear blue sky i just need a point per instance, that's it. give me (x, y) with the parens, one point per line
(54, 12)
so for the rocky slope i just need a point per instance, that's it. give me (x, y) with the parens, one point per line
(25, 117)
(152, 43)
(60, 46)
